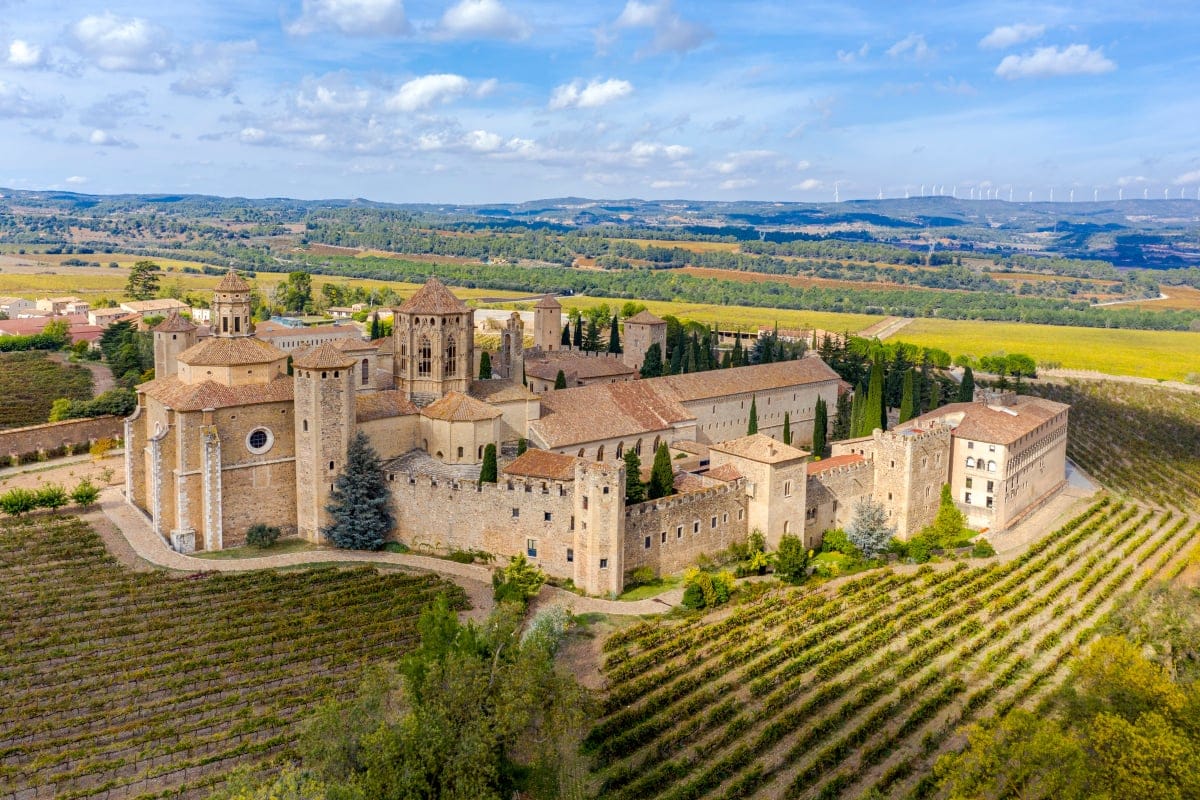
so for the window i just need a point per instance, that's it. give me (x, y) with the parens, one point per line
(678, 531)
(889, 496)
(424, 357)
(787, 526)
(991, 486)
(991, 502)
(991, 448)
(967, 498)
(970, 462)
(787, 488)
(893, 463)
(970, 445)
(741, 513)
(224, 324)
(713, 523)
(604, 563)
(366, 371)
(460, 452)
(585, 502)
(647, 542)
(451, 367)
(605, 490)
(516, 513)
(663, 539)
(237, 324)
(331, 466)
(724, 518)
(531, 548)
(306, 426)
(570, 556)
(259, 441)
(547, 516)
(696, 526)
(991, 466)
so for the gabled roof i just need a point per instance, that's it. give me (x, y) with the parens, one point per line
(546, 365)
(833, 462)
(549, 302)
(725, 472)
(458, 407)
(232, 282)
(500, 390)
(543, 464)
(325, 355)
(382, 405)
(433, 298)
(210, 394)
(746, 380)
(226, 351)
(1001, 424)
(606, 411)
(644, 317)
(759, 447)
(174, 324)
(353, 344)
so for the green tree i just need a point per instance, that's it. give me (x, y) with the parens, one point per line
(752, 426)
(522, 445)
(577, 335)
(18, 501)
(791, 560)
(869, 530)
(842, 417)
(635, 490)
(873, 408)
(857, 411)
(560, 380)
(360, 502)
(949, 526)
(787, 427)
(295, 294)
(820, 428)
(908, 399)
(488, 473)
(662, 474)
(614, 337)
(566, 335)
(518, 582)
(652, 364)
(376, 327)
(143, 280)
(85, 494)
(966, 389)
(485, 366)
(261, 535)
(52, 496)
(591, 340)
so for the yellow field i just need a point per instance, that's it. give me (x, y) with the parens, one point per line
(1161, 355)
(747, 318)
(695, 247)
(1183, 298)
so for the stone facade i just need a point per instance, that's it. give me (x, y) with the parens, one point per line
(75, 433)
(324, 422)
(832, 490)
(669, 534)
(641, 331)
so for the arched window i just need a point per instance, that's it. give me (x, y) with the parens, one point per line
(991, 466)
(451, 367)
(366, 372)
(581, 452)
(637, 448)
(480, 456)
(787, 526)
(970, 462)
(620, 449)
(600, 453)
(424, 357)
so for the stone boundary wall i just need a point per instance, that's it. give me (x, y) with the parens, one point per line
(682, 548)
(52, 438)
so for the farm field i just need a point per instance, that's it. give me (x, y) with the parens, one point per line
(31, 382)
(133, 684)
(835, 693)
(1184, 298)
(1161, 355)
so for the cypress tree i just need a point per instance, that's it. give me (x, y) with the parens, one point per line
(676, 360)
(652, 365)
(522, 446)
(841, 417)
(577, 341)
(360, 502)
(966, 389)
(856, 411)
(485, 366)
(488, 472)
(662, 476)
(566, 334)
(908, 399)
(614, 337)
(635, 490)
(752, 428)
(591, 340)
(873, 408)
(726, 360)
(738, 359)
(689, 360)
(787, 427)
(820, 427)
(376, 328)
(935, 394)
(560, 380)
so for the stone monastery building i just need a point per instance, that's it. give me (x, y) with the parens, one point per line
(224, 437)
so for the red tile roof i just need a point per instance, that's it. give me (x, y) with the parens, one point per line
(745, 380)
(725, 472)
(759, 447)
(606, 411)
(458, 407)
(543, 464)
(210, 394)
(433, 298)
(324, 356)
(230, 351)
(816, 467)
(1001, 424)
(232, 282)
(546, 365)
(549, 302)
(382, 405)
(644, 317)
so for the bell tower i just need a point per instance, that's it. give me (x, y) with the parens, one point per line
(231, 307)
(547, 324)
(171, 337)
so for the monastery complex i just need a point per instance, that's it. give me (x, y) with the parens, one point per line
(227, 436)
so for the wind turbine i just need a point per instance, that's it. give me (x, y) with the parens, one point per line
(922, 190)
(954, 192)
(1072, 195)
(1095, 195)
(1146, 193)
(1121, 193)
(836, 197)
(1165, 192)
(1031, 195)
(905, 192)
(1051, 194)
(880, 197)
(1010, 190)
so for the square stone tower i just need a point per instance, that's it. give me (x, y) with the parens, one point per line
(434, 344)
(547, 324)
(325, 404)
(641, 331)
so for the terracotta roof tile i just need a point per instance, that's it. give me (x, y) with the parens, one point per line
(744, 380)
(353, 344)
(325, 355)
(546, 365)
(644, 317)
(458, 407)
(500, 390)
(543, 464)
(833, 462)
(232, 282)
(1000, 424)
(759, 447)
(433, 298)
(382, 405)
(174, 324)
(548, 301)
(725, 472)
(606, 411)
(210, 394)
(225, 351)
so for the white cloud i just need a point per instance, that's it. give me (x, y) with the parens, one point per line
(644, 151)
(850, 56)
(421, 93)
(331, 95)
(484, 141)
(76, 180)
(672, 33)
(16, 102)
(593, 94)
(103, 138)
(1130, 180)
(668, 184)
(808, 185)
(738, 183)
(1008, 35)
(119, 44)
(1049, 62)
(352, 17)
(912, 46)
(24, 55)
(482, 19)
(212, 67)
(1188, 177)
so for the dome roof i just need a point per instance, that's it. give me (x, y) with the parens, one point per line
(433, 298)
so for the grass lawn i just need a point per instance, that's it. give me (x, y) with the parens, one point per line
(654, 589)
(277, 549)
(1161, 355)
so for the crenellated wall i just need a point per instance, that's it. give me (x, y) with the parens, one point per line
(670, 534)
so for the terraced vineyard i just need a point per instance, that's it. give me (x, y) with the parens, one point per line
(824, 693)
(120, 684)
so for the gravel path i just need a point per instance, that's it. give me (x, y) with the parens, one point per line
(148, 546)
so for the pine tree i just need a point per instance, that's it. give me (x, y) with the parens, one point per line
(820, 427)
(485, 366)
(652, 365)
(635, 490)
(360, 502)
(908, 399)
(560, 380)
(787, 426)
(566, 335)
(591, 340)
(577, 339)
(752, 427)
(488, 472)
(662, 475)
(869, 530)
(966, 389)
(614, 337)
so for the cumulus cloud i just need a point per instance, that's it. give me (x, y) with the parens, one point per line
(738, 183)
(1130, 180)
(428, 90)
(102, 138)
(645, 151)
(212, 68)
(1188, 177)
(850, 56)
(808, 185)
(16, 102)
(75, 180)
(1050, 62)
(1008, 35)
(331, 95)
(253, 135)
(352, 17)
(668, 184)
(912, 46)
(120, 44)
(672, 33)
(482, 19)
(593, 94)
(24, 55)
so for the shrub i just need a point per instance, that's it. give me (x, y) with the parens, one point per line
(642, 576)
(461, 556)
(518, 582)
(261, 535)
(920, 549)
(101, 447)
(836, 541)
(85, 493)
(395, 547)
(52, 496)
(16, 502)
(983, 549)
(791, 562)
(706, 589)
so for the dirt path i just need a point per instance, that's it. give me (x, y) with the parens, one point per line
(1063, 375)
(889, 326)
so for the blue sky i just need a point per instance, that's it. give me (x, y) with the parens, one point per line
(508, 100)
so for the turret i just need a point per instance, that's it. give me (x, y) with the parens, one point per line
(599, 536)
(325, 398)
(512, 349)
(171, 337)
(547, 324)
(231, 307)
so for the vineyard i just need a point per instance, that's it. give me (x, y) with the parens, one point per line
(131, 684)
(853, 692)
